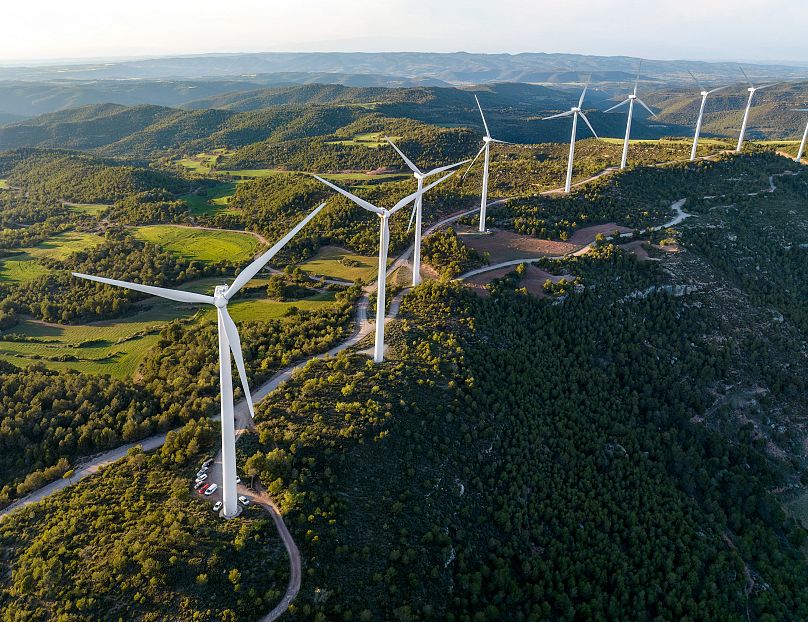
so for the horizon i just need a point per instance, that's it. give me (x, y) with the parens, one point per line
(723, 30)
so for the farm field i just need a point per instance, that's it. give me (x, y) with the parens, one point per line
(352, 176)
(211, 200)
(261, 310)
(501, 246)
(93, 209)
(113, 347)
(203, 163)
(371, 140)
(23, 266)
(3, 184)
(330, 262)
(201, 244)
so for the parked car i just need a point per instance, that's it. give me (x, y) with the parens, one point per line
(238, 480)
(244, 501)
(211, 489)
(202, 477)
(217, 506)
(198, 485)
(207, 463)
(201, 472)
(203, 488)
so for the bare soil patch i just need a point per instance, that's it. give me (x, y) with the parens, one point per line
(505, 246)
(533, 280)
(586, 235)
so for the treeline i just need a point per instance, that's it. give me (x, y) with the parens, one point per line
(446, 252)
(81, 178)
(60, 297)
(51, 418)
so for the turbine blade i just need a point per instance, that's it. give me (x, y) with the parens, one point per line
(558, 116)
(170, 294)
(622, 103)
(407, 161)
(637, 81)
(748, 81)
(448, 167)
(720, 88)
(501, 142)
(589, 125)
(255, 267)
(411, 197)
(696, 80)
(412, 217)
(642, 103)
(765, 86)
(360, 202)
(235, 347)
(473, 161)
(583, 94)
(487, 133)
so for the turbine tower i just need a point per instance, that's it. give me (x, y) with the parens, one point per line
(704, 94)
(630, 101)
(420, 176)
(574, 112)
(752, 90)
(228, 342)
(804, 136)
(487, 140)
(384, 241)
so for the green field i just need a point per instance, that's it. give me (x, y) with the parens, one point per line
(23, 265)
(93, 209)
(264, 309)
(209, 201)
(201, 244)
(371, 139)
(328, 262)
(112, 347)
(255, 173)
(3, 184)
(203, 163)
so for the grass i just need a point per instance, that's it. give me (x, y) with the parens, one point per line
(23, 266)
(3, 184)
(255, 173)
(113, 347)
(328, 262)
(93, 209)
(212, 200)
(203, 163)
(201, 244)
(264, 309)
(371, 140)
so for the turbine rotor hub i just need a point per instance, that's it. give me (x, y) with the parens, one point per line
(218, 296)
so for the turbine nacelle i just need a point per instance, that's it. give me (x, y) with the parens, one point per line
(487, 139)
(705, 93)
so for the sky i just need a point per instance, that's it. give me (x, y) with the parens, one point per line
(742, 30)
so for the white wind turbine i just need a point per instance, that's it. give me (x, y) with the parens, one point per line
(752, 90)
(704, 94)
(487, 140)
(630, 101)
(228, 342)
(574, 112)
(804, 136)
(420, 176)
(384, 241)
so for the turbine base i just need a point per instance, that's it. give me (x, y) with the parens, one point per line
(231, 516)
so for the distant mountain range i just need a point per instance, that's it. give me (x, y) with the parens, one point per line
(452, 68)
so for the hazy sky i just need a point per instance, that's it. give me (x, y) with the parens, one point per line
(690, 29)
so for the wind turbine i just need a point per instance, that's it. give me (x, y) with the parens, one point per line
(487, 140)
(420, 176)
(804, 136)
(630, 101)
(384, 241)
(704, 94)
(752, 90)
(574, 112)
(228, 342)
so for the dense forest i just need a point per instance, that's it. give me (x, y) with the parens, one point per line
(626, 445)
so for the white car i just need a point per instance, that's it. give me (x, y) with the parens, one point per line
(238, 480)
(217, 506)
(201, 478)
(211, 489)
(207, 463)
(244, 501)
(201, 472)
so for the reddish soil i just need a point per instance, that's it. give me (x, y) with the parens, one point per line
(505, 246)
(587, 235)
(533, 280)
(636, 248)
